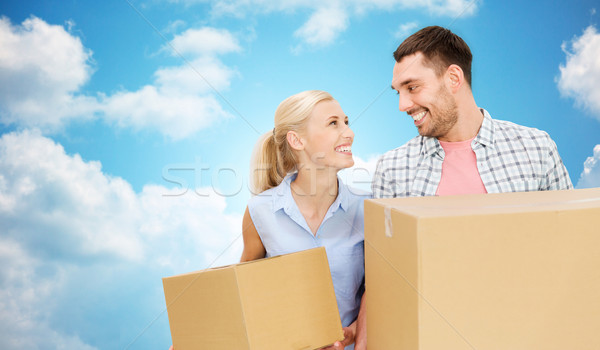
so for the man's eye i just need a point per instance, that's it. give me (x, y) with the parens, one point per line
(412, 88)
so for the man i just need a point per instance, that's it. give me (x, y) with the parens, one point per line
(460, 148)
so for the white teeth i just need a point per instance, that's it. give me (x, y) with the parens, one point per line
(344, 149)
(418, 116)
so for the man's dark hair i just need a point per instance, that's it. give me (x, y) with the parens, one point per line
(440, 47)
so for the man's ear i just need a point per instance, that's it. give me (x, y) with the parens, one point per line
(295, 141)
(455, 78)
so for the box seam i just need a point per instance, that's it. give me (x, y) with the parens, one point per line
(235, 270)
(419, 280)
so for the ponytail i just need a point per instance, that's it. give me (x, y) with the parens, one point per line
(264, 173)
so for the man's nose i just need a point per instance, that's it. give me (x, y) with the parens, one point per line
(405, 103)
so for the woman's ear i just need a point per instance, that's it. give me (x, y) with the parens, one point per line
(295, 141)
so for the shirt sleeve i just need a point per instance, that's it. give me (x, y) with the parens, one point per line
(381, 187)
(557, 176)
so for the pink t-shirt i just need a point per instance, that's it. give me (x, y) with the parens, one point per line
(459, 170)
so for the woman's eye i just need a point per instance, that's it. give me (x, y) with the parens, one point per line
(333, 122)
(347, 122)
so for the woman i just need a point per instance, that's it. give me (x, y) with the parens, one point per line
(301, 203)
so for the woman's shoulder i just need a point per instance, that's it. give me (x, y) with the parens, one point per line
(262, 198)
(273, 197)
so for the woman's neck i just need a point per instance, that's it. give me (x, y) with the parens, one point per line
(316, 185)
(314, 192)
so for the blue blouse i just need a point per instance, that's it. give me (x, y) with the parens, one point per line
(283, 230)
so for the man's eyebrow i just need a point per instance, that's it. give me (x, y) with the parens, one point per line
(405, 82)
(408, 81)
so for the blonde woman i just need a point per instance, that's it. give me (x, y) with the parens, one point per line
(300, 202)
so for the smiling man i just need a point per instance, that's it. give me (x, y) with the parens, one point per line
(460, 148)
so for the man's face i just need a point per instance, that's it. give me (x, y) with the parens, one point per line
(424, 97)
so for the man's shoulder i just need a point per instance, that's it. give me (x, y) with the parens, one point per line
(409, 149)
(514, 130)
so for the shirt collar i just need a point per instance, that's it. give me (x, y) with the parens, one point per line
(283, 199)
(343, 197)
(431, 146)
(486, 132)
(282, 194)
(485, 136)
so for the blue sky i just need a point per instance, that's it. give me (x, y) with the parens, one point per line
(127, 126)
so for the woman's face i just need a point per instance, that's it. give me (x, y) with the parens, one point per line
(328, 138)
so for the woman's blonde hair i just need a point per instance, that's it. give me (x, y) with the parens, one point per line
(272, 157)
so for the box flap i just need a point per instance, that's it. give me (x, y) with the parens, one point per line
(213, 293)
(304, 305)
(494, 203)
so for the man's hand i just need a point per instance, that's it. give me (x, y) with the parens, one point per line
(349, 333)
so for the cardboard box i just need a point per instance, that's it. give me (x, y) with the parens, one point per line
(497, 271)
(283, 302)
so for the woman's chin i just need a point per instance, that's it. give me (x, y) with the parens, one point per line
(348, 164)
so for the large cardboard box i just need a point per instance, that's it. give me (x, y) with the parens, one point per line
(283, 302)
(498, 271)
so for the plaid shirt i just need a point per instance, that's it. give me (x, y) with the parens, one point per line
(510, 158)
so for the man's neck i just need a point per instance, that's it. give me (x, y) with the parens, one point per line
(468, 124)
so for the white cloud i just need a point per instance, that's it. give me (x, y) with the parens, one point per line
(181, 100)
(580, 75)
(328, 19)
(406, 29)
(177, 116)
(590, 176)
(73, 237)
(174, 26)
(64, 203)
(361, 174)
(78, 212)
(450, 8)
(23, 303)
(205, 41)
(194, 79)
(43, 68)
(323, 26)
(241, 7)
